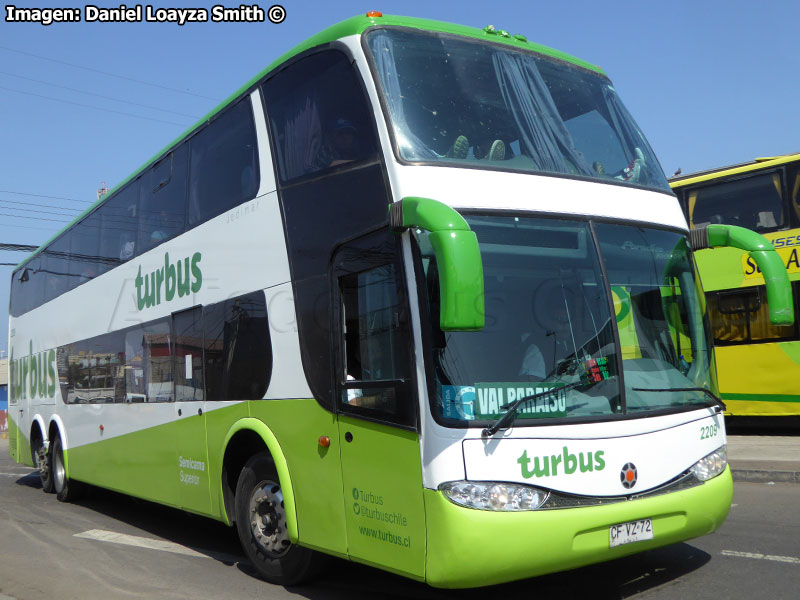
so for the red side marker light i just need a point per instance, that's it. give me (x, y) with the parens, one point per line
(374, 13)
(324, 441)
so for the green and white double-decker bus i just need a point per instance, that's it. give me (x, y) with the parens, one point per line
(417, 295)
(758, 362)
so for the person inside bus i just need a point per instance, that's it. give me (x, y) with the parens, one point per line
(342, 145)
(550, 312)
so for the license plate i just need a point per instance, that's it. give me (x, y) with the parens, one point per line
(626, 533)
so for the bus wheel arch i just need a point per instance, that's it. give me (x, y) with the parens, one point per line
(259, 500)
(246, 438)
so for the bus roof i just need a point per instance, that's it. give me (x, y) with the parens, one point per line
(352, 26)
(720, 172)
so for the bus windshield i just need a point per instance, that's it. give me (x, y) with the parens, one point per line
(551, 322)
(466, 102)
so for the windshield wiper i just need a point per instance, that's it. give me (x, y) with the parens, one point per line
(513, 407)
(717, 400)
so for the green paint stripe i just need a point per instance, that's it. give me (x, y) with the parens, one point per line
(762, 397)
(352, 26)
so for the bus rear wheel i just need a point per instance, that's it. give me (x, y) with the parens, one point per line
(262, 528)
(44, 461)
(66, 490)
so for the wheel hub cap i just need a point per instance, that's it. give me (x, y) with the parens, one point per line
(268, 519)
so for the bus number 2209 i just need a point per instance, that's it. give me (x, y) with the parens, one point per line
(708, 431)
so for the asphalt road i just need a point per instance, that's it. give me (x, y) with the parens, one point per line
(110, 546)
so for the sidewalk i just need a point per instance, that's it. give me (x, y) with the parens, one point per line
(764, 458)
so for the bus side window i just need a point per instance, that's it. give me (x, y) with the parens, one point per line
(237, 348)
(188, 351)
(318, 115)
(56, 266)
(224, 164)
(374, 338)
(162, 200)
(148, 363)
(119, 225)
(92, 371)
(85, 264)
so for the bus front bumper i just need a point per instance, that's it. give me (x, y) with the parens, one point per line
(471, 548)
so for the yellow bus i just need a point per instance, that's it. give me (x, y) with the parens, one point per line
(758, 363)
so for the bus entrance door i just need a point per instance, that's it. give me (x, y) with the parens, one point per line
(382, 482)
(380, 453)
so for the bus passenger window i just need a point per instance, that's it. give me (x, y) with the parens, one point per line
(85, 264)
(92, 371)
(162, 202)
(56, 267)
(224, 164)
(119, 219)
(319, 117)
(148, 363)
(237, 349)
(188, 367)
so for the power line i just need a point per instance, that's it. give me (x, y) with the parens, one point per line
(96, 95)
(28, 204)
(119, 112)
(43, 196)
(44, 212)
(33, 218)
(163, 87)
(17, 247)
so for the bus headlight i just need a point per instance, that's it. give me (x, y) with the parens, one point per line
(488, 495)
(711, 465)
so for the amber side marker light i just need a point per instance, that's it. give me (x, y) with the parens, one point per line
(324, 441)
(374, 13)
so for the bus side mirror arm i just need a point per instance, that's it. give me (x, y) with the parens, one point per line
(779, 290)
(458, 258)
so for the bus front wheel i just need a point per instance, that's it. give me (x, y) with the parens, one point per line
(262, 528)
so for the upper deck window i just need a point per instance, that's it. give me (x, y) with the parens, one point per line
(755, 203)
(464, 102)
(319, 116)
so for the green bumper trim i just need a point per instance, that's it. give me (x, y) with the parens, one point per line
(779, 290)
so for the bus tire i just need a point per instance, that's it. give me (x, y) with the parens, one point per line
(66, 490)
(44, 462)
(261, 525)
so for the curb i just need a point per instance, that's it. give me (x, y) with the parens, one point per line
(765, 476)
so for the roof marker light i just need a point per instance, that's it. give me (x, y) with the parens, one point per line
(374, 13)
